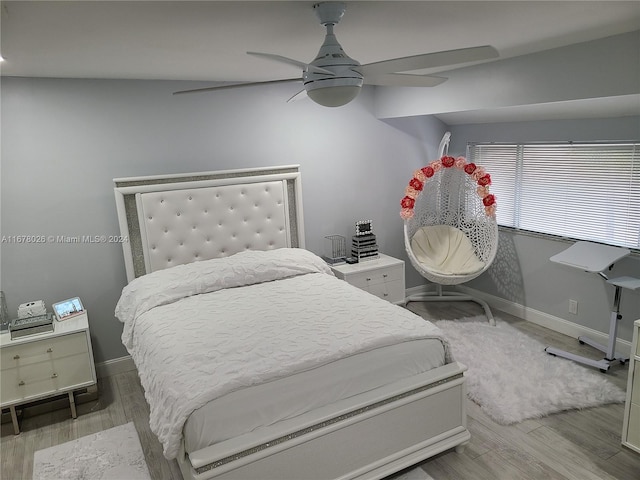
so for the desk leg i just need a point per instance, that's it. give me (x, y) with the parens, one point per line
(72, 404)
(613, 325)
(14, 420)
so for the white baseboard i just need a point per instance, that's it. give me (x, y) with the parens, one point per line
(115, 366)
(551, 322)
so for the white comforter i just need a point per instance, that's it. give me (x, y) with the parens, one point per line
(195, 337)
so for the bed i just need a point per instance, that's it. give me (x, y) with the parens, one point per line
(257, 363)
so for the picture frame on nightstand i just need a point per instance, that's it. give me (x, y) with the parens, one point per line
(67, 309)
(364, 227)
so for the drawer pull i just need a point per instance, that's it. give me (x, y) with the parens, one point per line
(49, 350)
(55, 375)
(21, 383)
(368, 279)
(385, 275)
(385, 294)
(16, 357)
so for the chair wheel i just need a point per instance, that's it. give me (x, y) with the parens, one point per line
(603, 370)
(580, 342)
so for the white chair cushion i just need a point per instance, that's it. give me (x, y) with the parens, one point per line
(445, 250)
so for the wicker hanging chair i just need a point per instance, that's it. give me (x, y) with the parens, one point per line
(450, 229)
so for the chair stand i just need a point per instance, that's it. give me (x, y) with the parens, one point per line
(451, 296)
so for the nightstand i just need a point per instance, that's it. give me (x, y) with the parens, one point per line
(631, 426)
(45, 365)
(383, 277)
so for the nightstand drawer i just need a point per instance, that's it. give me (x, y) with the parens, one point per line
(44, 378)
(374, 277)
(391, 291)
(43, 350)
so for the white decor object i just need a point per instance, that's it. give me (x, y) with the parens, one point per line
(631, 428)
(335, 249)
(383, 277)
(512, 378)
(46, 365)
(32, 309)
(113, 454)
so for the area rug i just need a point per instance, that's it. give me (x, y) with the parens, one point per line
(512, 378)
(114, 454)
(415, 474)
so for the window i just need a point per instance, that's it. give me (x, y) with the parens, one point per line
(582, 191)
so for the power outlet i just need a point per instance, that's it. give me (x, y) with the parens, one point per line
(573, 307)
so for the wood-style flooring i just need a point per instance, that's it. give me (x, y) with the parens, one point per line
(573, 445)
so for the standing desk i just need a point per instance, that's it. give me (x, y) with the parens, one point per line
(595, 258)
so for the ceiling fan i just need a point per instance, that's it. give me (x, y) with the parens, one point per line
(334, 79)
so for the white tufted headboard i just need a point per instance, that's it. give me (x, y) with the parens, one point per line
(175, 219)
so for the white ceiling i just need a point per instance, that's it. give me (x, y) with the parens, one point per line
(207, 40)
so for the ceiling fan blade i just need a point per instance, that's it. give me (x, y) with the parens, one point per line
(404, 80)
(302, 94)
(237, 85)
(430, 60)
(291, 61)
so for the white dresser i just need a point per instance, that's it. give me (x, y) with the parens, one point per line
(383, 277)
(631, 426)
(46, 365)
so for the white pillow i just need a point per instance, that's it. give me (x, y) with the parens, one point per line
(444, 249)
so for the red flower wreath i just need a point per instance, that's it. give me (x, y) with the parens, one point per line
(448, 162)
(416, 184)
(421, 176)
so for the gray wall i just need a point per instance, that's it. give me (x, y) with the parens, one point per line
(522, 272)
(64, 140)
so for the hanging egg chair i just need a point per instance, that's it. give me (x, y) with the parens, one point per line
(450, 229)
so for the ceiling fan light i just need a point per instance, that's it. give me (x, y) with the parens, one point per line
(333, 96)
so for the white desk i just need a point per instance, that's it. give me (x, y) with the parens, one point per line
(590, 257)
(595, 258)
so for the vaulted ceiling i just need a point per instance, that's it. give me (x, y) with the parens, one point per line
(208, 40)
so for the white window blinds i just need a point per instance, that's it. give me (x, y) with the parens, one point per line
(586, 191)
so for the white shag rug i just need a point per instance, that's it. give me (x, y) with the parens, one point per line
(113, 454)
(513, 379)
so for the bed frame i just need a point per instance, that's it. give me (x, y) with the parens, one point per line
(175, 219)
